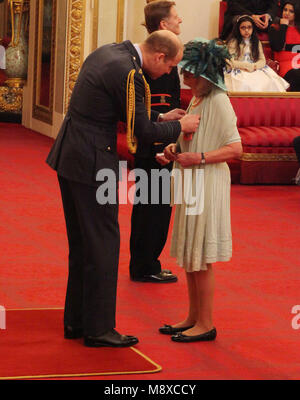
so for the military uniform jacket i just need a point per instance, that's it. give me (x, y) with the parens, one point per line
(87, 140)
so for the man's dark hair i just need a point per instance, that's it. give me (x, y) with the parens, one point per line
(155, 12)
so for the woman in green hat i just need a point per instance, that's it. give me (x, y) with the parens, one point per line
(202, 231)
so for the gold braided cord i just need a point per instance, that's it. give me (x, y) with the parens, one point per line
(130, 109)
(147, 97)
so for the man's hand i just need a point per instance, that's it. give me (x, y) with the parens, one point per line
(161, 159)
(189, 123)
(266, 18)
(175, 114)
(259, 21)
(170, 152)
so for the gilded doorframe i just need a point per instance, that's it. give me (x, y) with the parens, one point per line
(39, 111)
(76, 38)
(75, 45)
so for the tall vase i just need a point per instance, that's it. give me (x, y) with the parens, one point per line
(17, 51)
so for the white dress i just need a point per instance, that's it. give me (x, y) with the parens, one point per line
(262, 80)
(206, 238)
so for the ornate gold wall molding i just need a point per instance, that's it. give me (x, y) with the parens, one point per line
(43, 110)
(95, 25)
(120, 20)
(269, 157)
(75, 42)
(11, 99)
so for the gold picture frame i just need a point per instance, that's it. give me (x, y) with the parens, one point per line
(43, 112)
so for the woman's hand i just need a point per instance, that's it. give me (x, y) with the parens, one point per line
(161, 159)
(284, 21)
(188, 159)
(170, 152)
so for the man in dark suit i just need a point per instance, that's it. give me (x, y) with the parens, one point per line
(86, 144)
(262, 12)
(150, 222)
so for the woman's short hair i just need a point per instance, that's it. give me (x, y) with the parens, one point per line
(155, 12)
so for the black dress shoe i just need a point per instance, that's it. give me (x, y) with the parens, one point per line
(72, 333)
(210, 335)
(170, 330)
(110, 339)
(162, 277)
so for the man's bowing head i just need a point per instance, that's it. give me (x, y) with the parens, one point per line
(162, 50)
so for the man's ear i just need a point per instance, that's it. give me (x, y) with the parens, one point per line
(158, 57)
(163, 25)
(161, 57)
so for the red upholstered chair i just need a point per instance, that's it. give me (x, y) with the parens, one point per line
(267, 126)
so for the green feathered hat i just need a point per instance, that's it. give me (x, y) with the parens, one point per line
(206, 58)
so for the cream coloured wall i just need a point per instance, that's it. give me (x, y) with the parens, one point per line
(200, 18)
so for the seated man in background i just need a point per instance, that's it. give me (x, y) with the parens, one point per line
(262, 12)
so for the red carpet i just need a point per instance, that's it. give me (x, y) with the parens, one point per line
(32, 346)
(255, 291)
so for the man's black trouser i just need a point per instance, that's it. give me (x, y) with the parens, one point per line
(94, 244)
(149, 226)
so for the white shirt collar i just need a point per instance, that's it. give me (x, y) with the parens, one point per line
(138, 49)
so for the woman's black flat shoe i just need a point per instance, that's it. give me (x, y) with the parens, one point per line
(170, 330)
(210, 335)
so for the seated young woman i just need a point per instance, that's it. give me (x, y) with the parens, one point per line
(247, 70)
(284, 39)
